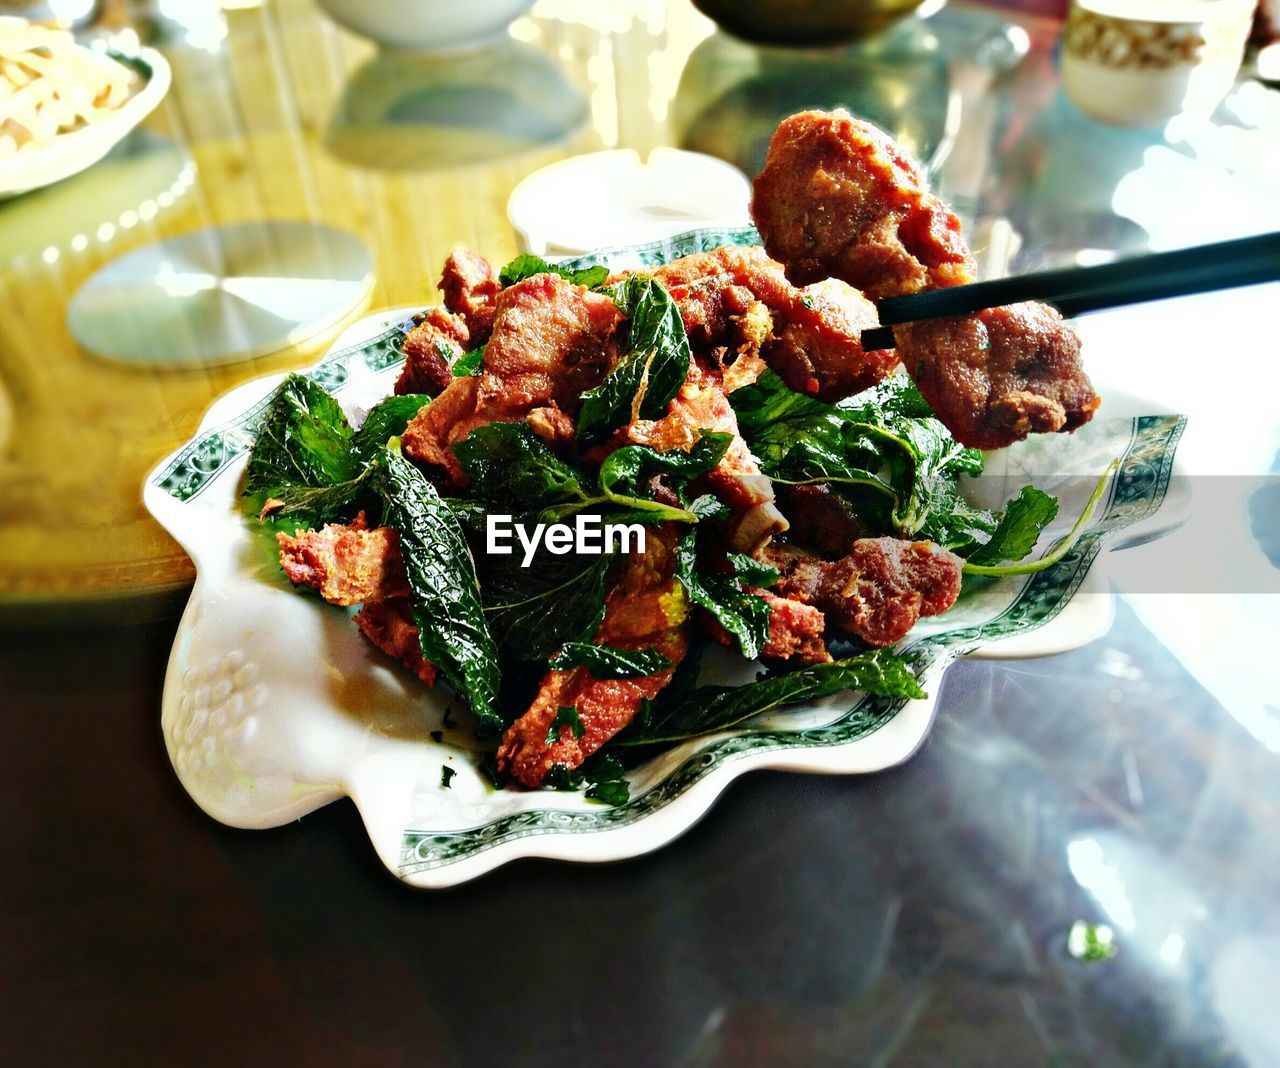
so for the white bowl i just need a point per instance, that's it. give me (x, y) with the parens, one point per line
(1141, 62)
(426, 25)
(616, 198)
(72, 152)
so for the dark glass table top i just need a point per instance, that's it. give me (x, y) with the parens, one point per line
(917, 916)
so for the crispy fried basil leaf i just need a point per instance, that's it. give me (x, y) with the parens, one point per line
(527, 265)
(650, 371)
(752, 572)
(566, 716)
(744, 615)
(443, 593)
(510, 467)
(606, 662)
(468, 364)
(625, 473)
(1025, 517)
(1029, 513)
(386, 420)
(312, 507)
(897, 397)
(898, 465)
(603, 776)
(714, 708)
(304, 440)
(534, 611)
(798, 438)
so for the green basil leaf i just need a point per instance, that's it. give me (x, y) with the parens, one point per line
(744, 615)
(1024, 519)
(606, 662)
(468, 365)
(527, 265)
(534, 611)
(510, 467)
(626, 470)
(385, 421)
(1060, 550)
(606, 781)
(800, 439)
(314, 506)
(653, 367)
(566, 716)
(444, 597)
(304, 440)
(752, 572)
(714, 708)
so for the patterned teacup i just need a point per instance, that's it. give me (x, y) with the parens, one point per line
(1139, 62)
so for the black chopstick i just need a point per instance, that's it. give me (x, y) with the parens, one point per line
(1079, 290)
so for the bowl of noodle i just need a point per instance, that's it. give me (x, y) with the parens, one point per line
(63, 106)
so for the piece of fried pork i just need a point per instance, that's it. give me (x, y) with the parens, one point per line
(645, 609)
(350, 564)
(441, 335)
(550, 342)
(877, 591)
(839, 199)
(811, 336)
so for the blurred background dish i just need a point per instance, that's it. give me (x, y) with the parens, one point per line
(732, 94)
(30, 162)
(810, 22)
(1140, 62)
(426, 25)
(612, 198)
(71, 13)
(405, 111)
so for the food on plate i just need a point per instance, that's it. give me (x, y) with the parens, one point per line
(585, 479)
(50, 85)
(837, 198)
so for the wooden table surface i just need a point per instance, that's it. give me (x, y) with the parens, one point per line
(286, 117)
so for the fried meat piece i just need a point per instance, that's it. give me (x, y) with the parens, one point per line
(837, 197)
(795, 630)
(646, 609)
(995, 377)
(700, 405)
(430, 349)
(821, 519)
(389, 626)
(716, 288)
(471, 287)
(880, 589)
(551, 341)
(817, 348)
(812, 336)
(347, 563)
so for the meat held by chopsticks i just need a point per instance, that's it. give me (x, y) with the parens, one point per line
(838, 198)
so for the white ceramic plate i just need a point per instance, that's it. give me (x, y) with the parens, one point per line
(70, 153)
(275, 705)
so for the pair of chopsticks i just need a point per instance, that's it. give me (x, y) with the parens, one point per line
(1080, 290)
